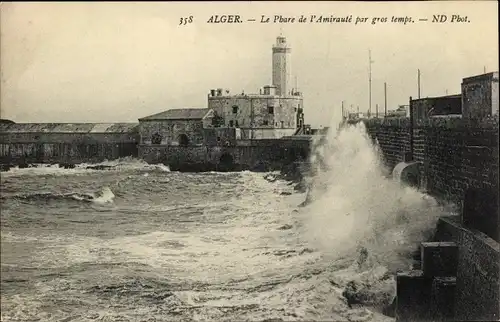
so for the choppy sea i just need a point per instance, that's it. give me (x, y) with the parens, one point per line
(137, 242)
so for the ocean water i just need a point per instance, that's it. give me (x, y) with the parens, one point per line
(137, 242)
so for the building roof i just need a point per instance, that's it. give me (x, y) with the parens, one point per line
(178, 114)
(67, 127)
(488, 76)
(437, 97)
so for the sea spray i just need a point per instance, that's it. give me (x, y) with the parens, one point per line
(354, 204)
(357, 214)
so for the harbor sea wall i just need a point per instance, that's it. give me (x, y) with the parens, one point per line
(454, 153)
(23, 144)
(457, 160)
(256, 155)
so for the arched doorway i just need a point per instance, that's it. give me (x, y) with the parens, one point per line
(303, 154)
(226, 162)
(183, 140)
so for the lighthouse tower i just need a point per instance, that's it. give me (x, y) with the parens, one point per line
(282, 68)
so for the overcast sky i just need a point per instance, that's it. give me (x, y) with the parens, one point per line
(117, 62)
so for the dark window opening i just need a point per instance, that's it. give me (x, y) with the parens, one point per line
(218, 139)
(265, 122)
(270, 109)
(226, 162)
(282, 124)
(231, 123)
(236, 123)
(276, 124)
(183, 140)
(217, 121)
(156, 139)
(235, 109)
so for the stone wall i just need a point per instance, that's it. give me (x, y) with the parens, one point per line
(259, 134)
(455, 153)
(245, 154)
(170, 131)
(459, 161)
(477, 294)
(259, 112)
(393, 138)
(25, 148)
(221, 136)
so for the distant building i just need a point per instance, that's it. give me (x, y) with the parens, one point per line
(355, 115)
(479, 99)
(424, 108)
(480, 95)
(401, 111)
(175, 127)
(66, 142)
(275, 112)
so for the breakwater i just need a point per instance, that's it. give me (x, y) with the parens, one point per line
(255, 155)
(455, 160)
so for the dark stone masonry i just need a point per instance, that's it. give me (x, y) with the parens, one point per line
(457, 157)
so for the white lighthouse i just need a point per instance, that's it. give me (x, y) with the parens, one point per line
(282, 68)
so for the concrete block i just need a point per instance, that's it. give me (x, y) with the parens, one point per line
(478, 278)
(443, 298)
(447, 229)
(439, 258)
(413, 296)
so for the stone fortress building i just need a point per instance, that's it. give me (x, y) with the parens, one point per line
(275, 112)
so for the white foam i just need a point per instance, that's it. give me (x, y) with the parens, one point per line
(354, 204)
(104, 196)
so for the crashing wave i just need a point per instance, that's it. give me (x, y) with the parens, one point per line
(103, 196)
(123, 164)
(352, 209)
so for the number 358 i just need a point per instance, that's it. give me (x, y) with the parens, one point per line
(186, 20)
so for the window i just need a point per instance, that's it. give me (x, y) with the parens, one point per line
(231, 123)
(282, 124)
(270, 109)
(218, 139)
(236, 123)
(265, 122)
(156, 139)
(235, 109)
